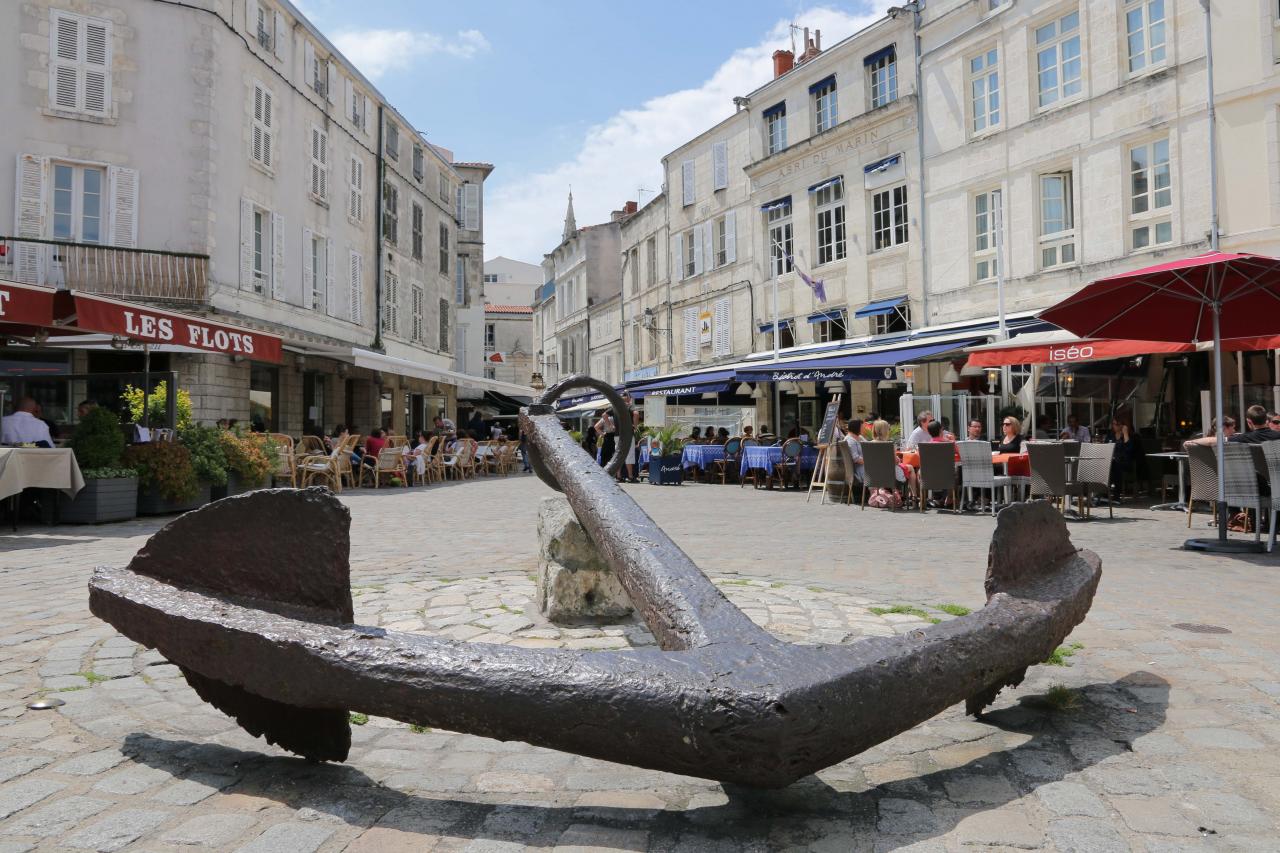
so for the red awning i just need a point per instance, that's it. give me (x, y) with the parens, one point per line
(24, 305)
(1067, 352)
(149, 325)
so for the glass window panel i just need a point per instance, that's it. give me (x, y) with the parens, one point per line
(1164, 232)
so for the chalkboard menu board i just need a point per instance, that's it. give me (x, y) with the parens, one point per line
(828, 432)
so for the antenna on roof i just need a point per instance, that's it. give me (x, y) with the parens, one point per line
(794, 28)
(640, 190)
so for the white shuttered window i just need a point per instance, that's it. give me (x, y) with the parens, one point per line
(355, 205)
(721, 328)
(319, 164)
(720, 166)
(79, 63)
(686, 182)
(691, 340)
(355, 286)
(263, 126)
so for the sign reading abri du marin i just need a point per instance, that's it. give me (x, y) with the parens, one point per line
(161, 327)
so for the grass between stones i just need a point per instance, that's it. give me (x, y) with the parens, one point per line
(92, 677)
(906, 609)
(1061, 653)
(419, 730)
(357, 719)
(953, 609)
(1058, 699)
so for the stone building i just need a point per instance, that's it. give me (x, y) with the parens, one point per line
(230, 136)
(646, 316)
(508, 343)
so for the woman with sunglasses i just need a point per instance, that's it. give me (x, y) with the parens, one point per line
(1011, 439)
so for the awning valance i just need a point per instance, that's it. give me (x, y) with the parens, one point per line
(880, 308)
(889, 52)
(768, 327)
(421, 370)
(823, 316)
(829, 80)
(712, 381)
(779, 108)
(776, 203)
(822, 185)
(1062, 347)
(846, 367)
(25, 305)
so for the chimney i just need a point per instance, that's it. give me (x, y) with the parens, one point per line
(629, 208)
(783, 61)
(812, 46)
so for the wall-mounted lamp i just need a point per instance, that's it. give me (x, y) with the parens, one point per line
(951, 377)
(537, 383)
(1068, 382)
(993, 376)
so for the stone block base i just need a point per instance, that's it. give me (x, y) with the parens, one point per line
(574, 583)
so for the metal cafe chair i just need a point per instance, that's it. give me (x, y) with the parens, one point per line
(789, 464)
(730, 460)
(1202, 466)
(937, 470)
(1093, 476)
(1241, 480)
(977, 472)
(878, 468)
(1270, 451)
(1048, 470)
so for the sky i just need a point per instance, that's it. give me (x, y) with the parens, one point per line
(587, 95)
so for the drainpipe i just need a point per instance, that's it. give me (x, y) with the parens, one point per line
(1213, 141)
(924, 251)
(380, 165)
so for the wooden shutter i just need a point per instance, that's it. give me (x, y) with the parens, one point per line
(699, 247)
(29, 216)
(356, 207)
(277, 256)
(281, 36)
(97, 67)
(471, 207)
(308, 269)
(309, 63)
(686, 182)
(709, 246)
(720, 165)
(677, 253)
(691, 344)
(330, 300)
(246, 244)
(364, 115)
(355, 284)
(319, 163)
(79, 63)
(64, 62)
(251, 18)
(721, 327)
(731, 236)
(349, 104)
(124, 207)
(331, 84)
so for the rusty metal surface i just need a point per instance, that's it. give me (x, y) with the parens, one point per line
(722, 699)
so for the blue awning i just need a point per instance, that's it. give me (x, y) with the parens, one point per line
(823, 316)
(879, 309)
(677, 386)
(822, 185)
(882, 165)
(775, 204)
(829, 80)
(848, 367)
(768, 327)
(889, 52)
(779, 108)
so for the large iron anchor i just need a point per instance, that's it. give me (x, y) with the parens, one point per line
(251, 597)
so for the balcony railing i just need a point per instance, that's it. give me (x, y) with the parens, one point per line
(109, 270)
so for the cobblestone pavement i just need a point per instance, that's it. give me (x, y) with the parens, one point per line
(1159, 739)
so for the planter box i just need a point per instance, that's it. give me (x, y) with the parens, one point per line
(151, 503)
(666, 470)
(234, 486)
(107, 499)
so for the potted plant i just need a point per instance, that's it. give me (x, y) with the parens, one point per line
(157, 405)
(110, 490)
(666, 456)
(204, 443)
(167, 480)
(250, 461)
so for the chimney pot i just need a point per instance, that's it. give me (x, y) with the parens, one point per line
(783, 61)
(629, 207)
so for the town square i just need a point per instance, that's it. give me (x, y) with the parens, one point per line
(855, 428)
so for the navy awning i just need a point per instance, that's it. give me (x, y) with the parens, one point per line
(779, 108)
(889, 52)
(829, 80)
(882, 165)
(676, 386)
(768, 327)
(822, 185)
(879, 309)
(776, 203)
(847, 367)
(823, 316)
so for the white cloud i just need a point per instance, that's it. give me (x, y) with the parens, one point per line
(377, 52)
(524, 215)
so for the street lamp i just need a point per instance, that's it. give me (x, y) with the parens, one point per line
(537, 383)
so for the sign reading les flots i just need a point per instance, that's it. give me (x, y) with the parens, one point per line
(162, 327)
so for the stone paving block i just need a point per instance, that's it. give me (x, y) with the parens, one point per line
(970, 788)
(905, 817)
(193, 789)
(90, 764)
(589, 838)
(16, 796)
(1070, 799)
(1223, 810)
(999, 828)
(13, 766)
(1086, 835)
(1211, 738)
(1153, 815)
(385, 839)
(291, 837)
(27, 730)
(117, 830)
(133, 780)
(58, 817)
(210, 830)
(16, 846)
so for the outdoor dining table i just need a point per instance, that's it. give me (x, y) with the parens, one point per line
(1014, 464)
(701, 456)
(764, 458)
(37, 468)
(1180, 459)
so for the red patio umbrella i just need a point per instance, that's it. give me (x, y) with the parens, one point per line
(1208, 297)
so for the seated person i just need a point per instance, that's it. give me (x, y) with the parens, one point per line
(903, 472)
(722, 436)
(1011, 441)
(853, 438)
(936, 433)
(24, 425)
(373, 445)
(974, 432)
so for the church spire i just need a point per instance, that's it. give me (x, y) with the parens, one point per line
(570, 224)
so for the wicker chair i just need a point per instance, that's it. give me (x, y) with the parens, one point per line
(1202, 466)
(1241, 481)
(937, 470)
(1049, 470)
(976, 471)
(879, 468)
(418, 460)
(1093, 477)
(788, 464)
(1270, 451)
(288, 466)
(731, 459)
(752, 473)
(328, 467)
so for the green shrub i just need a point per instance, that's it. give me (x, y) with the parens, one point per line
(98, 442)
(253, 457)
(157, 402)
(166, 467)
(669, 439)
(207, 457)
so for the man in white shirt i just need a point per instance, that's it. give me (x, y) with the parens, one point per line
(1075, 432)
(23, 427)
(920, 435)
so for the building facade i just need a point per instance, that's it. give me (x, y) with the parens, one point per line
(234, 133)
(646, 316)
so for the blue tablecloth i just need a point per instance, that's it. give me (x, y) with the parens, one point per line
(701, 455)
(764, 458)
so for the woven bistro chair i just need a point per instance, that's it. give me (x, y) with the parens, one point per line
(788, 464)
(753, 474)
(1202, 466)
(1048, 470)
(390, 463)
(311, 445)
(937, 470)
(287, 463)
(840, 471)
(731, 459)
(435, 462)
(1270, 451)
(977, 472)
(418, 461)
(1241, 479)
(1070, 449)
(1093, 477)
(326, 467)
(879, 467)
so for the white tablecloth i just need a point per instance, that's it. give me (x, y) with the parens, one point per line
(37, 467)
